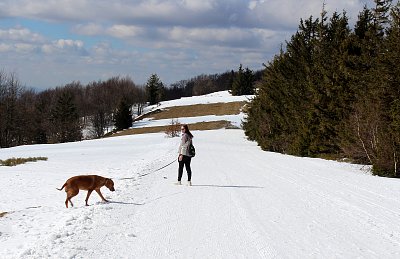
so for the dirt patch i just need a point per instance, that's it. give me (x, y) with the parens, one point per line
(2, 214)
(197, 110)
(195, 126)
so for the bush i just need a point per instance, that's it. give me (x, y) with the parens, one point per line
(173, 129)
(17, 161)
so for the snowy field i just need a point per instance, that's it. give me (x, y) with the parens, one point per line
(244, 203)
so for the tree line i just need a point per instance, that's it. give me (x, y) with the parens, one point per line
(61, 114)
(75, 111)
(335, 92)
(234, 81)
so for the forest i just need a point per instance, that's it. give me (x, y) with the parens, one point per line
(334, 92)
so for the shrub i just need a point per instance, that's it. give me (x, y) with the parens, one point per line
(19, 160)
(173, 129)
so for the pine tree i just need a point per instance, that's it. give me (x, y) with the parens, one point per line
(331, 89)
(238, 81)
(278, 118)
(367, 133)
(123, 116)
(243, 83)
(154, 89)
(41, 109)
(66, 126)
(248, 87)
(391, 96)
(304, 92)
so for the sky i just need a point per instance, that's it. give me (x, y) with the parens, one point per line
(49, 43)
(243, 202)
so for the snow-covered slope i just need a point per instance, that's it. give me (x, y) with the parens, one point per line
(244, 203)
(217, 97)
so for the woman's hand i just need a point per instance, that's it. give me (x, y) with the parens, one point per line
(180, 157)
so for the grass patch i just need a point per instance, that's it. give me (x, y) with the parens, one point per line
(196, 110)
(2, 214)
(19, 160)
(210, 125)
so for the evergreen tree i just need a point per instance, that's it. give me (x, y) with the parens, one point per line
(123, 116)
(238, 81)
(308, 92)
(331, 89)
(367, 129)
(243, 82)
(154, 89)
(66, 126)
(248, 87)
(390, 153)
(41, 109)
(278, 118)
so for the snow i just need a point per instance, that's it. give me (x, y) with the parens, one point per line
(235, 120)
(217, 97)
(244, 202)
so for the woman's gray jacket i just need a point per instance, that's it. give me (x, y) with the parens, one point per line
(184, 145)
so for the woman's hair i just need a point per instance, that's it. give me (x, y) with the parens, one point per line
(187, 131)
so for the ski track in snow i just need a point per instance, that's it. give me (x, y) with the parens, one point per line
(244, 203)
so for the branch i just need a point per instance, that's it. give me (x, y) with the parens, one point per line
(362, 142)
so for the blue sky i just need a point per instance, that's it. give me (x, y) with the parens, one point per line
(49, 43)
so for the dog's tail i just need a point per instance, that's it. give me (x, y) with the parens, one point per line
(62, 187)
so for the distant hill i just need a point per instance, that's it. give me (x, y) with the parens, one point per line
(213, 111)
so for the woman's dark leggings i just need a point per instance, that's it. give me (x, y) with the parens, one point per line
(185, 162)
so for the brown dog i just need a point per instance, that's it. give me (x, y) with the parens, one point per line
(86, 182)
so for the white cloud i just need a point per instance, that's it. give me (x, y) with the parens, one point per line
(224, 37)
(199, 5)
(64, 46)
(75, 44)
(24, 47)
(124, 31)
(102, 49)
(51, 10)
(253, 5)
(90, 29)
(48, 48)
(19, 34)
(5, 47)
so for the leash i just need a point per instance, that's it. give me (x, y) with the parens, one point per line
(141, 175)
(158, 168)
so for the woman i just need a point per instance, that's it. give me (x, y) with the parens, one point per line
(184, 158)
